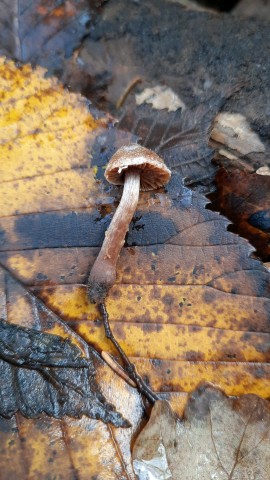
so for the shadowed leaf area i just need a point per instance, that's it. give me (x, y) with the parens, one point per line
(180, 137)
(245, 199)
(219, 437)
(189, 303)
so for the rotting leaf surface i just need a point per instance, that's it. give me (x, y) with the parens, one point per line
(219, 438)
(41, 372)
(245, 199)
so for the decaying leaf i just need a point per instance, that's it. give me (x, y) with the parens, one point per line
(245, 199)
(180, 137)
(220, 438)
(41, 372)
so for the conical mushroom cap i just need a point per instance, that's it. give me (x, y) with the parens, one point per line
(154, 173)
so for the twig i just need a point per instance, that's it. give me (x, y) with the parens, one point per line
(127, 91)
(117, 368)
(128, 365)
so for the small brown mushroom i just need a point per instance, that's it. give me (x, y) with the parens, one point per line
(136, 168)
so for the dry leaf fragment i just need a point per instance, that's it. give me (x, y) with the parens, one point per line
(160, 97)
(265, 170)
(219, 437)
(233, 130)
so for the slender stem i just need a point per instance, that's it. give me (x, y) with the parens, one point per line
(103, 273)
(128, 365)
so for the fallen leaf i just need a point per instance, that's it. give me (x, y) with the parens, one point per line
(265, 170)
(181, 138)
(244, 198)
(41, 32)
(190, 304)
(234, 131)
(219, 437)
(160, 97)
(41, 372)
(49, 447)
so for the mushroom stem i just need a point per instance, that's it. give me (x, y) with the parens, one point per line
(103, 272)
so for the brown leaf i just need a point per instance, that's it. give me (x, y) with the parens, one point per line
(245, 199)
(180, 137)
(219, 437)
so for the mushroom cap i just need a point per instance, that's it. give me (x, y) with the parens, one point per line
(154, 173)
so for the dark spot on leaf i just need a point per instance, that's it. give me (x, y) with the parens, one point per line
(209, 297)
(193, 356)
(168, 299)
(198, 270)
(261, 220)
(59, 230)
(41, 276)
(150, 229)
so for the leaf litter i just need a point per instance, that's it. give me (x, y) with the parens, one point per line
(178, 196)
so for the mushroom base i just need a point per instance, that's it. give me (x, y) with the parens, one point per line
(97, 291)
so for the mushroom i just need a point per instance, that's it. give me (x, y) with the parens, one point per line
(136, 168)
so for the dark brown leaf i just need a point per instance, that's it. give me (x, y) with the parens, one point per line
(42, 372)
(244, 198)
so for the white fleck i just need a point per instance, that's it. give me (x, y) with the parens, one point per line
(155, 469)
(265, 170)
